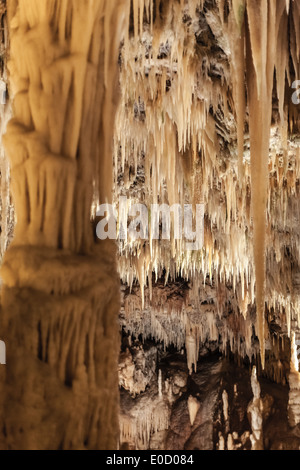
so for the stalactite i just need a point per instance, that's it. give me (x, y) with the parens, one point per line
(138, 427)
(294, 385)
(237, 46)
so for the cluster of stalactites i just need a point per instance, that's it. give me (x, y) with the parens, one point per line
(177, 317)
(165, 131)
(261, 47)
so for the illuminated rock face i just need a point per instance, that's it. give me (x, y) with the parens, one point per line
(203, 115)
(219, 407)
(211, 119)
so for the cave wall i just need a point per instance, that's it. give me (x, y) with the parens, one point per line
(197, 107)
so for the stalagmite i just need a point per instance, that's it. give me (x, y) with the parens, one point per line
(294, 384)
(225, 405)
(193, 406)
(255, 410)
(221, 445)
(230, 445)
(160, 383)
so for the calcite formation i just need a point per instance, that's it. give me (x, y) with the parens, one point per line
(211, 119)
(166, 102)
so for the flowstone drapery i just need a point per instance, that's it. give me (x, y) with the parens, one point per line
(60, 296)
